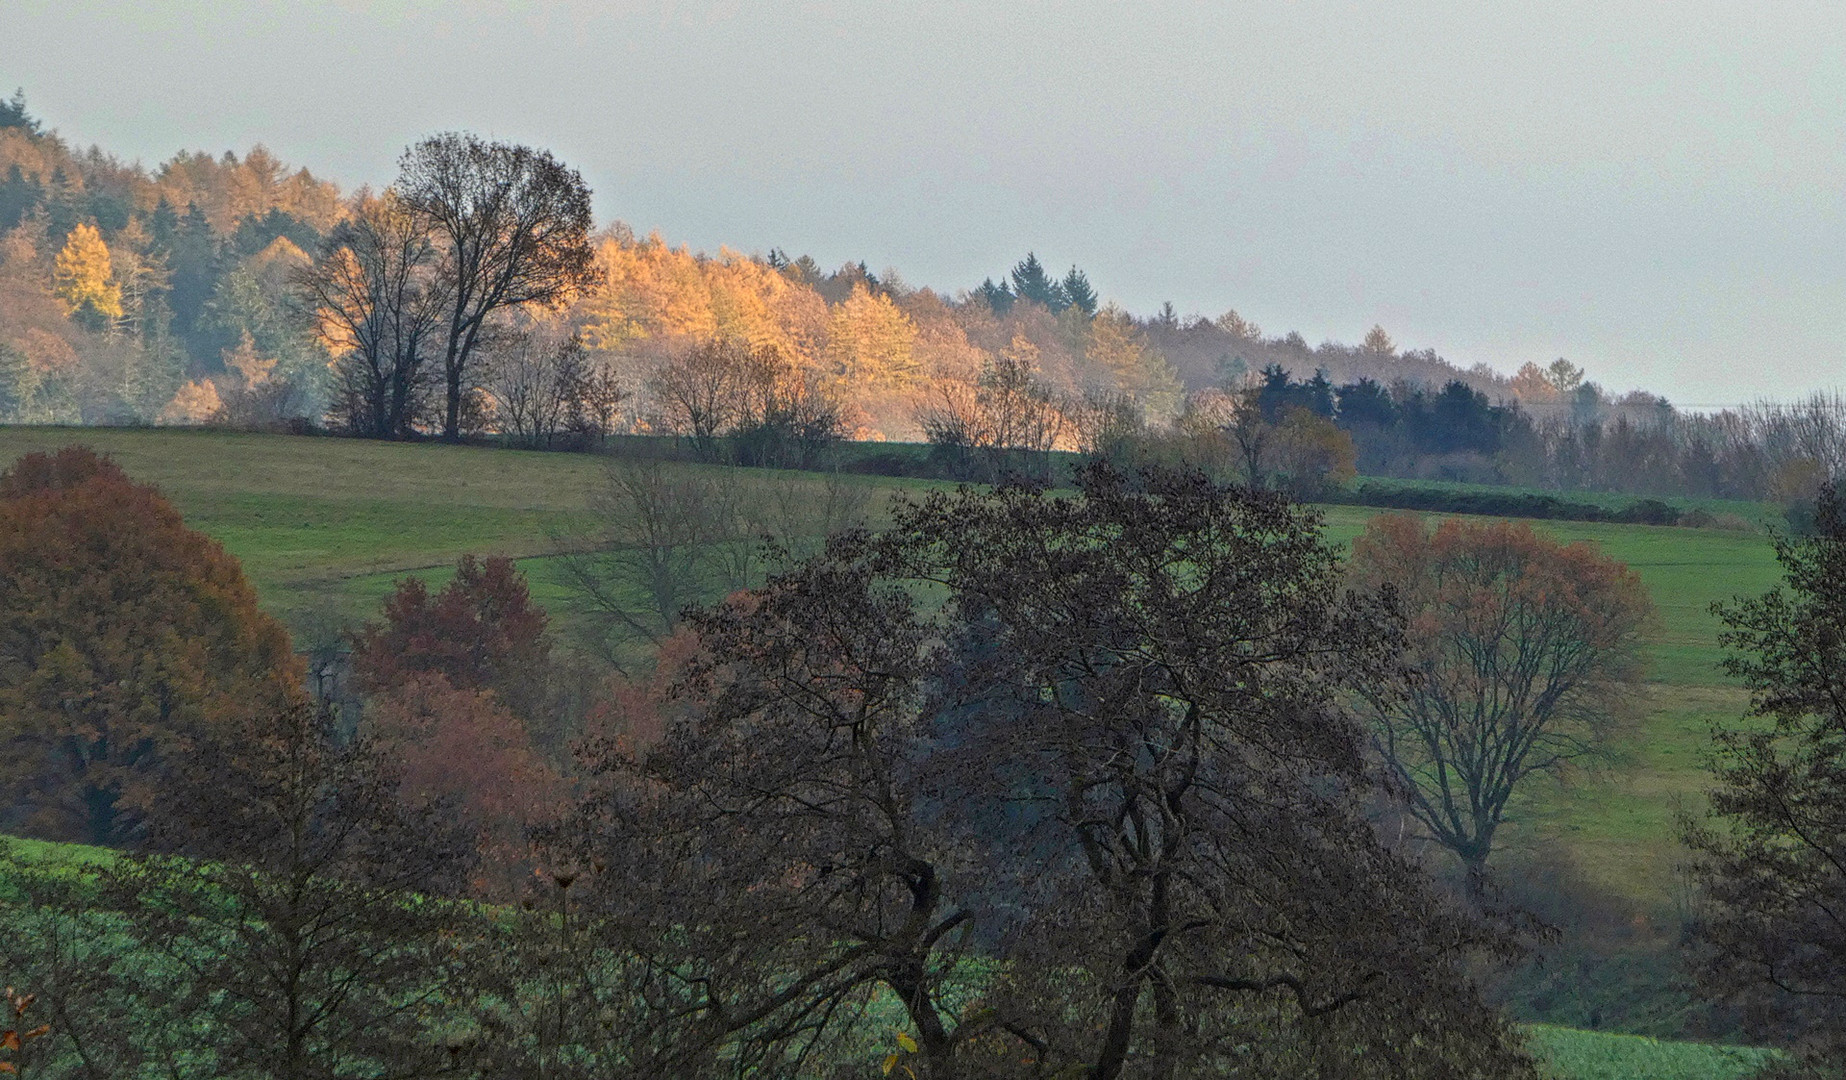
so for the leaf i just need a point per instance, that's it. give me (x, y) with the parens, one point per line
(7, 1067)
(890, 1063)
(42, 1029)
(904, 1040)
(9, 1041)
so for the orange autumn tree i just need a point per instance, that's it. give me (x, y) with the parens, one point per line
(1522, 654)
(126, 638)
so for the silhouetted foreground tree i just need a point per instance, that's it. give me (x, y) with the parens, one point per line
(126, 639)
(378, 301)
(1067, 778)
(1773, 862)
(1523, 653)
(303, 902)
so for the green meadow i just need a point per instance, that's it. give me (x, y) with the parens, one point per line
(325, 526)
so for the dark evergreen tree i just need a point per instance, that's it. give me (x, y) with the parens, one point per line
(192, 257)
(19, 196)
(1317, 395)
(62, 212)
(1366, 404)
(1077, 290)
(13, 114)
(1031, 282)
(254, 234)
(999, 297)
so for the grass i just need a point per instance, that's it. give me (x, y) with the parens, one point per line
(1572, 1054)
(324, 526)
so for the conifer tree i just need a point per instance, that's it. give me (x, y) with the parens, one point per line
(1031, 282)
(1077, 290)
(82, 277)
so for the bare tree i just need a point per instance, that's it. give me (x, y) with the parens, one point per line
(701, 391)
(772, 412)
(785, 418)
(595, 396)
(378, 301)
(1523, 654)
(512, 224)
(649, 550)
(1009, 421)
(533, 385)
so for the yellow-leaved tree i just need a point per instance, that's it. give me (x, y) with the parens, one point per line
(871, 342)
(647, 290)
(1115, 347)
(82, 277)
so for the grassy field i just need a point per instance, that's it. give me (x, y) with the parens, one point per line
(1570, 1054)
(324, 526)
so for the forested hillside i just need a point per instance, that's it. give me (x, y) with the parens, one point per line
(238, 290)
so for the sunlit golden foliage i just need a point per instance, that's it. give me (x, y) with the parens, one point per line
(227, 189)
(195, 403)
(1117, 350)
(82, 275)
(871, 342)
(649, 290)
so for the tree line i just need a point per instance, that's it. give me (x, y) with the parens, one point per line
(473, 299)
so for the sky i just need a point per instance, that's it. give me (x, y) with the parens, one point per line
(1655, 191)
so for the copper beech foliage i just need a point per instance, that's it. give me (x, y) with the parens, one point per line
(126, 639)
(455, 682)
(1521, 651)
(13, 1040)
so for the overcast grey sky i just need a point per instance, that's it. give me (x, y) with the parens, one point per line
(1656, 191)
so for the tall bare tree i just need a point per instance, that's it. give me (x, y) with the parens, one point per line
(701, 391)
(513, 226)
(378, 302)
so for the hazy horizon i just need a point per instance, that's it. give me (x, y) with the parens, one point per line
(1651, 192)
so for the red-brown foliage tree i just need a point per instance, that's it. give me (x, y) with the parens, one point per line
(125, 639)
(481, 632)
(454, 683)
(462, 747)
(1523, 652)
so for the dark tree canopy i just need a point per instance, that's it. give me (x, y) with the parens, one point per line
(1773, 857)
(1095, 740)
(1032, 282)
(480, 632)
(1077, 289)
